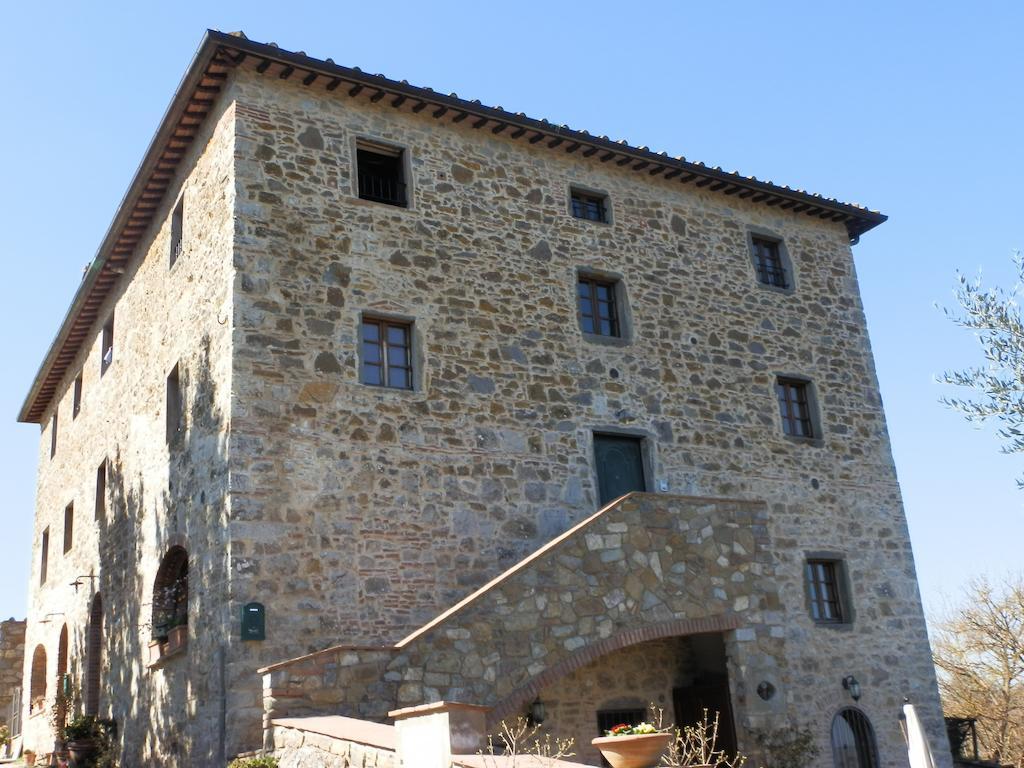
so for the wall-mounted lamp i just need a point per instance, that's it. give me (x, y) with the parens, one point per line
(537, 712)
(851, 685)
(78, 581)
(46, 618)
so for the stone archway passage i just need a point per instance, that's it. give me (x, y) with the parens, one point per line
(94, 657)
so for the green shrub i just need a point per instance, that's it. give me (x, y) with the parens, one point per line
(264, 761)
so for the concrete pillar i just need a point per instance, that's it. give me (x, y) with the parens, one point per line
(428, 735)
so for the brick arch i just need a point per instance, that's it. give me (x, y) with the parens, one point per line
(573, 661)
(170, 592)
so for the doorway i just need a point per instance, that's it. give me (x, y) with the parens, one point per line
(620, 465)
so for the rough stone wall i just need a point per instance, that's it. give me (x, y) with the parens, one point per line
(295, 748)
(158, 494)
(362, 512)
(12, 661)
(648, 568)
(632, 678)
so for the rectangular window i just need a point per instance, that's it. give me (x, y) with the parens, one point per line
(381, 174)
(590, 206)
(69, 527)
(794, 407)
(386, 353)
(107, 345)
(174, 404)
(823, 591)
(177, 224)
(101, 490)
(76, 401)
(596, 303)
(768, 262)
(53, 435)
(44, 556)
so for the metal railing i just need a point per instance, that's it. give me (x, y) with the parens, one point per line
(381, 188)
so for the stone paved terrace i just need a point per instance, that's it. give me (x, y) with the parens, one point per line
(644, 567)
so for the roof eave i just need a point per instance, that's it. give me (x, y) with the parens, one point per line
(194, 72)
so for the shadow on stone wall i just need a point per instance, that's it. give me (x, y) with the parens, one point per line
(177, 710)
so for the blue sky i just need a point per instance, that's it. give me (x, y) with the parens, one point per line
(911, 108)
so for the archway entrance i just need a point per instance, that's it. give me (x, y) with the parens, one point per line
(681, 675)
(94, 657)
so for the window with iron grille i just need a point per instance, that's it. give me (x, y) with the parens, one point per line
(596, 304)
(771, 269)
(824, 591)
(853, 740)
(794, 407)
(386, 359)
(381, 174)
(177, 226)
(590, 206)
(69, 527)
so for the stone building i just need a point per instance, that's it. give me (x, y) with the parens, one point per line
(354, 370)
(12, 661)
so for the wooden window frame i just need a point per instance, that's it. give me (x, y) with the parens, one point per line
(175, 409)
(177, 232)
(76, 396)
(770, 262)
(384, 347)
(44, 556)
(826, 593)
(69, 527)
(795, 400)
(101, 490)
(53, 434)
(593, 283)
(107, 345)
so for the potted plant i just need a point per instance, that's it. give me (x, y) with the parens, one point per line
(633, 746)
(82, 736)
(30, 757)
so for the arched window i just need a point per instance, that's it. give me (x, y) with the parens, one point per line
(94, 657)
(37, 680)
(170, 593)
(853, 740)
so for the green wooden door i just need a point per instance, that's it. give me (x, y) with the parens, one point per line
(620, 466)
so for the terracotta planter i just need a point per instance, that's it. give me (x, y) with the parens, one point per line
(177, 638)
(82, 751)
(642, 750)
(30, 758)
(155, 651)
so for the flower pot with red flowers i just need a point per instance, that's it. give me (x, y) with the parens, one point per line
(633, 746)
